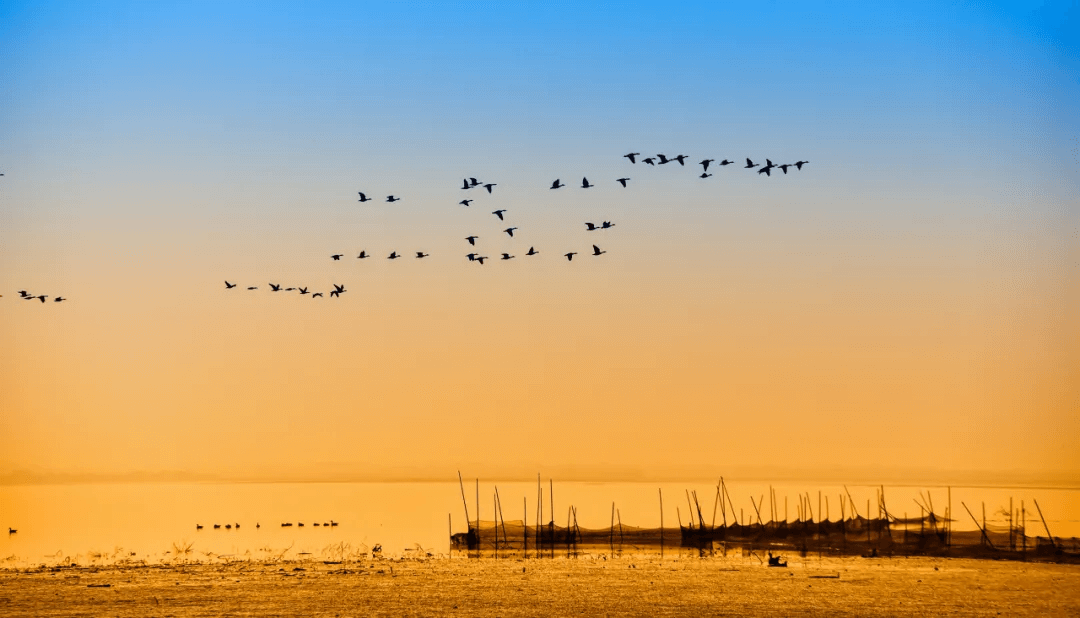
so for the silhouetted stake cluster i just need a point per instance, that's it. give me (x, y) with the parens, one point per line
(853, 533)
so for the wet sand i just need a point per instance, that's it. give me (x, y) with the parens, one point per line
(583, 586)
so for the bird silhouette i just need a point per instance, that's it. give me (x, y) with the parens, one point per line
(663, 159)
(363, 254)
(750, 164)
(228, 526)
(726, 162)
(254, 287)
(510, 231)
(784, 167)
(198, 526)
(303, 290)
(58, 299)
(336, 256)
(473, 182)
(556, 185)
(650, 161)
(472, 240)
(393, 255)
(472, 256)
(29, 297)
(10, 530)
(585, 183)
(532, 251)
(606, 225)
(275, 287)
(317, 295)
(623, 181)
(631, 156)
(481, 258)
(421, 254)
(704, 175)
(216, 526)
(596, 250)
(333, 294)
(391, 198)
(498, 213)
(705, 164)
(465, 184)
(589, 226)
(489, 185)
(799, 164)
(680, 159)
(229, 286)
(507, 256)
(24, 293)
(339, 288)
(290, 289)
(570, 256)
(464, 202)
(363, 198)
(765, 170)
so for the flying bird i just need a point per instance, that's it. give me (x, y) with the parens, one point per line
(472, 240)
(317, 295)
(421, 254)
(631, 156)
(481, 258)
(472, 256)
(606, 225)
(363, 254)
(650, 161)
(704, 175)
(473, 182)
(489, 185)
(680, 159)
(589, 226)
(663, 159)
(507, 256)
(333, 294)
(705, 164)
(570, 256)
(585, 183)
(750, 164)
(42, 297)
(391, 198)
(498, 213)
(726, 162)
(363, 198)
(290, 289)
(465, 184)
(339, 288)
(303, 290)
(799, 164)
(784, 167)
(464, 202)
(275, 287)
(556, 185)
(336, 256)
(596, 250)
(58, 299)
(393, 255)
(24, 293)
(765, 170)
(623, 181)
(229, 286)
(254, 287)
(510, 231)
(532, 251)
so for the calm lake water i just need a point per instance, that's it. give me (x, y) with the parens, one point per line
(56, 522)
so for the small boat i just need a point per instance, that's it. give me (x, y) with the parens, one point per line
(777, 561)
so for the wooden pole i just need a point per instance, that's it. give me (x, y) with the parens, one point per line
(498, 499)
(539, 518)
(461, 484)
(1023, 528)
(619, 515)
(611, 533)
(948, 521)
(1047, 528)
(1012, 543)
(495, 510)
(716, 501)
(551, 499)
(478, 548)
(690, 510)
(661, 491)
(525, 528)
(985, 538)
(450, 521)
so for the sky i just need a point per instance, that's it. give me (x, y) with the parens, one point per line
(906, 301)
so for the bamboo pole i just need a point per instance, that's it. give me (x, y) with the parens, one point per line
(661, 491)
(1047, 528)
(478, 548)
(716, 501)
(948, 521)
(611, 533)
(524, 528)
(461, 484)
(985, 538)
(619, 515)
(495, 510)
(450, 521)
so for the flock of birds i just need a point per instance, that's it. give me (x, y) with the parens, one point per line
(473, 183)
(42, 297)
(329, 524)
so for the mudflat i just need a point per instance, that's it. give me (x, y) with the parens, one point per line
(590, 586)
